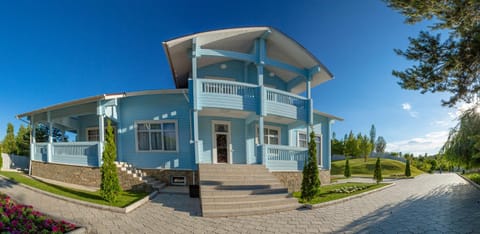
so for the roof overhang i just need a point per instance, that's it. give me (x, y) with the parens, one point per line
(99, 98)
(279, 47)
(332, 117)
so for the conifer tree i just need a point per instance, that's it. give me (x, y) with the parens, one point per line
(8, 145)
(377, 173)
(310, 181)
(110, 186)
(408, 173)
(347, 172)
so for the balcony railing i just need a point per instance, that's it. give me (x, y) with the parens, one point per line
(284, 158)
(227, 94)
(285, 104)
(75, 153)
(244, 96)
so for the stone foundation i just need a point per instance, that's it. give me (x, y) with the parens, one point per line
(165, 174)
(82, 175)
(293, 179)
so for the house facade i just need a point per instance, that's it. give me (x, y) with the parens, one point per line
(242, 96)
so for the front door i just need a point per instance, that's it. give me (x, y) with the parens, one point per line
(221, 142)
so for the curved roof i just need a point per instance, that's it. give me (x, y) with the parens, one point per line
(279, 47)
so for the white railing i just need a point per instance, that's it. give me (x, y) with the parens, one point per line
(278, 96)
(40, 153)
(227, 88)
(80, 153)
(285, 153)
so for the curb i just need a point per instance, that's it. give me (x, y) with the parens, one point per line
(329, 203)
(470, 181)
(123, 210)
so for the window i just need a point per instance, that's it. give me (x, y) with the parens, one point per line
(156, 136)
(302, 140)
(271, 135)
(92, 134)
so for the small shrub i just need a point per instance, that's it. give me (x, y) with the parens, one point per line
(347, 172)
(475, 177)
(377, 173)
(350, 189)
(408, 173)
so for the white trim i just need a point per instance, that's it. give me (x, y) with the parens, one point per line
(214, 141)
(319, 160)
(279, 129)
(156, 121)
(96, 128)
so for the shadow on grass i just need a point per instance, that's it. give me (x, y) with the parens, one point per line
(447, 208)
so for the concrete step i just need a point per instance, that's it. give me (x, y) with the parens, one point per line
(248, 204)
(247, 181)
(240, 197)
(215, 192)
(240, 187)
(249, 211)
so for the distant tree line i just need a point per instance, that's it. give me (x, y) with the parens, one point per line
(359, 145)
(19, 144)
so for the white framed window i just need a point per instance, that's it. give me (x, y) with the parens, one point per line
(156, 136)
(272, 135)
(302, 140)
(92, 134)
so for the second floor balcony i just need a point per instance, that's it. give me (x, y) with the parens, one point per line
(247, 97)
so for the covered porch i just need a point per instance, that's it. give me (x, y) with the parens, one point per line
(71, 133)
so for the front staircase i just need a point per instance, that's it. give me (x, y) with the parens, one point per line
(235, 190)
(131, 177)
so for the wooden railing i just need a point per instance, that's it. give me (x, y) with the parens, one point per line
(79, 153)
(278, 96)
(40, 153)
(281, 152)
(227, 88)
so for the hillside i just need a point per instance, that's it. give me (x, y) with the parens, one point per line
(390, 168)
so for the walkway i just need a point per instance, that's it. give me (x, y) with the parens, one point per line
(429, 203)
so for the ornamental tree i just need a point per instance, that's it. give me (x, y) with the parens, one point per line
(110, 186)
(377, 173)
(347, 172)
(310, 180)
(8, 145)
(408, 173)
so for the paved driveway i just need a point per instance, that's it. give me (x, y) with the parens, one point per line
(427, 204)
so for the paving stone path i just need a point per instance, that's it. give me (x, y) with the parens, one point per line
(440, 203)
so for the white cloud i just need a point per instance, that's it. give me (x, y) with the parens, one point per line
(407, 107)
(430, 144)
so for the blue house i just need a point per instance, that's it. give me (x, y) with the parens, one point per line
(242, 97)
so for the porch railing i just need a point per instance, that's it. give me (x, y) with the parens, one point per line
(75, 153)
(280, 157)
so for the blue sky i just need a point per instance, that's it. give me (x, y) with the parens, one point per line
(56, 51)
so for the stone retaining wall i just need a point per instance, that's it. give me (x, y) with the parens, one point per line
(293, 179)
(82, 175)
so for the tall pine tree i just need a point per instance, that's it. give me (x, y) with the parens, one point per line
(310, 181)
(347, 172)
(408, 173)
(110, 186)
(377, 173)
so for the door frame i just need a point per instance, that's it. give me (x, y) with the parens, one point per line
(214, 141)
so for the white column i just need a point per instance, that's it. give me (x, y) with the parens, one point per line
(50, 138)
(101, 132)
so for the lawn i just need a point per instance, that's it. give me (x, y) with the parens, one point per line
(126, 198)
(328, 193)
(390, 168)
(475, 177)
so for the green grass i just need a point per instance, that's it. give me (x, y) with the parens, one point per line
(359, 168)
(126, 198)
(327, 192)
(475, 177)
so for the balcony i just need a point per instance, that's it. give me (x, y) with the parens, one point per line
(75, 153)
(245, 97)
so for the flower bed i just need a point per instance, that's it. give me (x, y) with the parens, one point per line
(17, 218)
(350, 189)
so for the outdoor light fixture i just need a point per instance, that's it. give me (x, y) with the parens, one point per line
(223, 66)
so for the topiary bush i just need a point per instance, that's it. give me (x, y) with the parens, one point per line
(347, 172)
(310, 180)
(377, 173)
(110, 186)
(408, 173)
